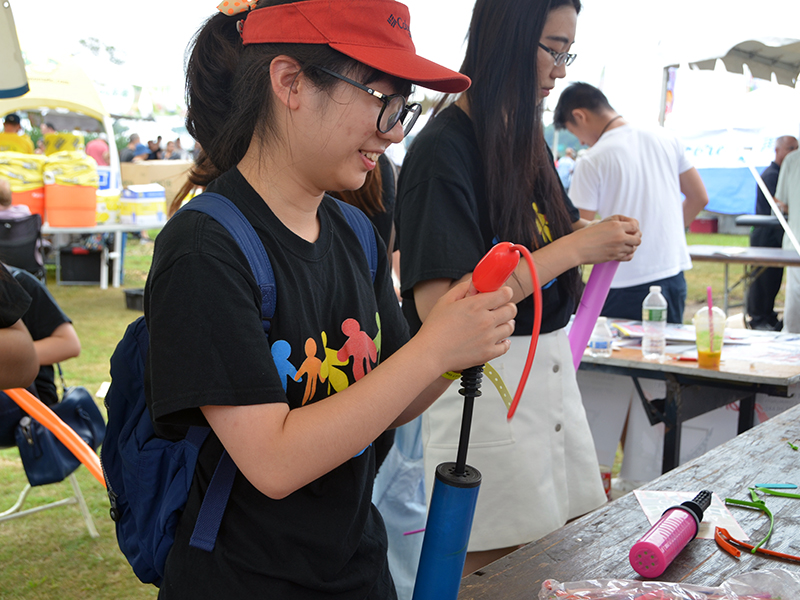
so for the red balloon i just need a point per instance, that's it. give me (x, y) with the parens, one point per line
(496, 267)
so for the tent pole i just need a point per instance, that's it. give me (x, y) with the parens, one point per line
(113, 153)
(777, 211)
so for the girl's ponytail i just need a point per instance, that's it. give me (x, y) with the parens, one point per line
(214, 59)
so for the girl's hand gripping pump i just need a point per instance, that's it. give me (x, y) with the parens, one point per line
(455, 490)
(492, 271)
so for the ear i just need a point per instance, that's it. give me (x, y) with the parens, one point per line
(286, 78)
(580, 116)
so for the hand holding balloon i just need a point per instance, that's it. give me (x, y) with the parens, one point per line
(594, 296)
(495, 268)
(490, 273)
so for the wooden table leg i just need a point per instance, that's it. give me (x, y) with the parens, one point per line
(672, 426)
(747, 410)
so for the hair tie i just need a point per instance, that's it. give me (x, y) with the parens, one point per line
(234, 7)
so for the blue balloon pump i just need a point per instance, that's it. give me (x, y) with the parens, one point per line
(455, 490)
(452, 508)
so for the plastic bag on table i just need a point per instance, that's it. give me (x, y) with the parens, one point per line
(757, 585)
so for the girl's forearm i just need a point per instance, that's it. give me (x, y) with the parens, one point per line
(551, 261)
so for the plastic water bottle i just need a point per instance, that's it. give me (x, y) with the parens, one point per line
(601, 339)
(654, 322)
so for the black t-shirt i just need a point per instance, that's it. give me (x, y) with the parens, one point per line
(14, 301)
(770, 178)
(443, 223)
(42, 318)
(208, 347)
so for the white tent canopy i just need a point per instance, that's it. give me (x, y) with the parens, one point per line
(730, 124)
(763, 58)
(766, 40)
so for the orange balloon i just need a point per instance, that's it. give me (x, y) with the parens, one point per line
(65, 434)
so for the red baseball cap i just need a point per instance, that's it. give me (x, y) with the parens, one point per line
(374, 32)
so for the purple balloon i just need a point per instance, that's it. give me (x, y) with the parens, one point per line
(594, 296)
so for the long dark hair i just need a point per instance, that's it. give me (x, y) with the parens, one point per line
(505, 109)
(227, 91)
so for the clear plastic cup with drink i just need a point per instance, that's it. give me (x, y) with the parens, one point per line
(709, 332)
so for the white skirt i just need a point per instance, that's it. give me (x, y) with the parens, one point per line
(538, 471)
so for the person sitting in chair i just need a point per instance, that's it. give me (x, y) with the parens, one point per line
(8, 211)
(54, 338)
(17, 354)
(19, 212)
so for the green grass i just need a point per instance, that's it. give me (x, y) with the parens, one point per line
(704, 274)
(50, 554)
(100, 316)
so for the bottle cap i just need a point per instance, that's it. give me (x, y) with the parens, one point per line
(655, 288)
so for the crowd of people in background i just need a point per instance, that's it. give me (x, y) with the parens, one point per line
(15, 139)
(136, 151)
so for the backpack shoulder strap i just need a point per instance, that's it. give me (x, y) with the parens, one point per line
(365, 232)
(225, 212)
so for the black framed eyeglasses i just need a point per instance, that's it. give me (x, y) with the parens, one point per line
(394, 108)
(560, 58)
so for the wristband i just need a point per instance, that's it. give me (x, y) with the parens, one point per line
(452, 375)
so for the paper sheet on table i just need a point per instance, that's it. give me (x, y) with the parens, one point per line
(681, 333)
(674, 333)
(717, 515)
(731, 251)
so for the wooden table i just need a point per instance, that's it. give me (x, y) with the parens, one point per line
(597, 545)
(693, 391)
(757, 221)
(753, 260)
(116, 255)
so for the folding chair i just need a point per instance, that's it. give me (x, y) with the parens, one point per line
(16, 511)
(19, 244)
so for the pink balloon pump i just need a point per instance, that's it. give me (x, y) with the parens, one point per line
(678, 526)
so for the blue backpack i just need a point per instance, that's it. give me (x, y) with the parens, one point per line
(147, 477)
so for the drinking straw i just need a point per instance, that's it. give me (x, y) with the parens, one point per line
(710, 321)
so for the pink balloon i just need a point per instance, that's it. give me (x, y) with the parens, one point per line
(594, 296)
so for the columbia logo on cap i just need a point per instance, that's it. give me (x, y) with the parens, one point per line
(400, 23)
